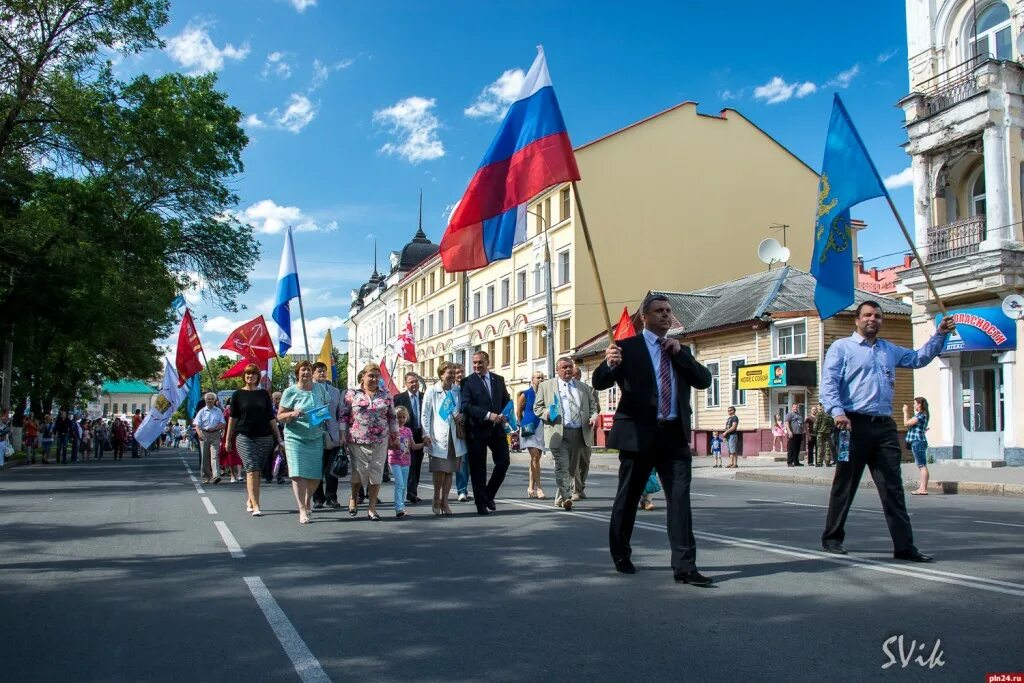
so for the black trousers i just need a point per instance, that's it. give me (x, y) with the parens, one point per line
(332, 481)
(674, 472)
(414, 472)
(484, 489)
(873, 443)
(812, 445)
(793, 452)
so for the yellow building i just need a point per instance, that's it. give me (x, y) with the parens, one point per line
(678, 197)
(761, 331)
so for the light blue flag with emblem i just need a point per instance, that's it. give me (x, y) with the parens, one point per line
(555, 409)
(447, 406)
(318, 415)
(509, 412)
(848, 177)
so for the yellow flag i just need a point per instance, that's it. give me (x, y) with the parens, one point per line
(326, 357)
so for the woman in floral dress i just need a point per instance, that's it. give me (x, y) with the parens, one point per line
(369, 425)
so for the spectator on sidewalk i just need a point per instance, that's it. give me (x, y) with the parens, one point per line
(5, 435)
(30, 440)
(62, 428)
(716, 449)
(17, 428)
(917, 441)
(824, 428)
(100, 436)
(46, 434)
(794, 426)
(118, 437)
(812, 440)
(136, 422)
(778, 434)
(732, 437)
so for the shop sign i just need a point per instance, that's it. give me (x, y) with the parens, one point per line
(761, 376)
(981, 329)
(606, 421)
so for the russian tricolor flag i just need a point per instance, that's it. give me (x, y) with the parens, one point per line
(530, 153)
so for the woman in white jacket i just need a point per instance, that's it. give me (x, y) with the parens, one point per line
(440, 421)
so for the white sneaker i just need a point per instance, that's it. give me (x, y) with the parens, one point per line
(463, 497)
(248, 507)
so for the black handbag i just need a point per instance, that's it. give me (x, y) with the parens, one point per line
(339, 464)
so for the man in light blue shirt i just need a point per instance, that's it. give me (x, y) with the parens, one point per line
(857, 383)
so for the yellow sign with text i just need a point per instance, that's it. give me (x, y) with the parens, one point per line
(761, 376)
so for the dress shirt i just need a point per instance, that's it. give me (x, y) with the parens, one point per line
(208, 419)
(569, 394)
(859, 376)
(654, 349)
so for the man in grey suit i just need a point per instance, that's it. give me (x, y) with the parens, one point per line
(568, 436)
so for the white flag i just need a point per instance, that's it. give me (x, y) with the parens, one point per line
(164, 406)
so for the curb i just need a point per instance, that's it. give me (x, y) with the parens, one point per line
(971, 488)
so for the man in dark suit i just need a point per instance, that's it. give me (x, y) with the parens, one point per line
(652, 431)
(412, 400)
(483, 397)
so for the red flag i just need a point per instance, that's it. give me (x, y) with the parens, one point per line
(186, 358)
(251, 341)
(238, 368)
(385, 377)
(624, 329)
(407, 342)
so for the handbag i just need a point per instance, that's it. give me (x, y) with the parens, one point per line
(338, 467)
(528, 429)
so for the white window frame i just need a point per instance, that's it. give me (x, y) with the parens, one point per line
(564, 275)
(451, 315)
(989, 36)
(476, 304)
(713, 394)
(738, 397)
(430, 326)
(490, 298)
(779, 324)
(506, 292)
(440, 320)
(521, 291)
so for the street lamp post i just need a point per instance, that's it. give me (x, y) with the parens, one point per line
(550, 321)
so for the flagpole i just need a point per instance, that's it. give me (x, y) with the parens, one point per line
(302, 315)
(593, 263)
(920, 261)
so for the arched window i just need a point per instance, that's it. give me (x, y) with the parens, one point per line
(993, 31)
(978, 195)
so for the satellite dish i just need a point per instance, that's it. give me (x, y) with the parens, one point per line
(770, 251)
(1013, 307)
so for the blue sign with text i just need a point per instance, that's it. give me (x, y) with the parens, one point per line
(981, 329)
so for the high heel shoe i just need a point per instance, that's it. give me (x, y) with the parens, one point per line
(540, 492)
(530, 493)
(435, 508)
(446, 511)
(372, 516)
(353, 508)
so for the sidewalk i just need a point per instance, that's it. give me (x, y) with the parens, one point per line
(943, 479)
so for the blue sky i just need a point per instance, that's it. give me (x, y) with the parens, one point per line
(353, 107)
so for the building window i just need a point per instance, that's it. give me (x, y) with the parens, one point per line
(430, 326)
(520, 285)
(978, 194)
(431, 283)
(490, 299)
(421, 328)
(994, 39)
(540, 348)
(790, 339)
(565, 203)
(523, 352)
(713, 393)
(476, 305)
(505, 293)
(506, 351)
(739, 398)
(451, 315)
(563, 267)
(547, 210)
(564, 334)
(490, 352)
(440, 320)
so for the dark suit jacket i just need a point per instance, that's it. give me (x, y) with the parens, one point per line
(476, 403)
(415, 425)
(636, 418)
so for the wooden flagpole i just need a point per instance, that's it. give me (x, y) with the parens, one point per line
(920, 261)
(593, 263)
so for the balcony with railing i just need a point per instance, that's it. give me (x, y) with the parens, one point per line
(951, 86)
(959, 238)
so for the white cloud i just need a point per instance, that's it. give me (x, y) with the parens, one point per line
(843, 78)
(726, 95)
(277, 65)
(904, 178)
(193, 49)
(415, 126)
(296, 116)
(221, 324)
(303, 5)
(267, 217)
(254, 121)
(321, 71)
(778, 90)
(886, 56)
(494, 100)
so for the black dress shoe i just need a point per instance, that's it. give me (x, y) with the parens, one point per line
(912, 556)
(482, 511)
(625, 566)
(318, 504)
(491, 506)
(694, 578)
(834, 548)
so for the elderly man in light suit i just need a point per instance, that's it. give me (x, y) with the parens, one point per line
(569, 436)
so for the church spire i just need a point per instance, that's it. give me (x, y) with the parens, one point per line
(419, 233)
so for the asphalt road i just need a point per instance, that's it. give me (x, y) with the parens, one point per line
(125, 571)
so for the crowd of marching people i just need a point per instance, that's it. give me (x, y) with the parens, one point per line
(70, 438)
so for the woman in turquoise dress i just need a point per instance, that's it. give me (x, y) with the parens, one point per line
(303, 441)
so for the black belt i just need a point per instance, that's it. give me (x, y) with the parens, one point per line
(665, 424)
(869, 418)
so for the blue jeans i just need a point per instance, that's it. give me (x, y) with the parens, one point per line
(920, 451)
(62, 448)
(462, 477)
(97, 448)
(400, 473)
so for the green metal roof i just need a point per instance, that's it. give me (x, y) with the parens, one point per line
(127, 386)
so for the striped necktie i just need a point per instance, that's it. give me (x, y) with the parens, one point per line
(664, 382)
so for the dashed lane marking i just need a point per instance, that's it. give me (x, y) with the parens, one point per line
(306, 665)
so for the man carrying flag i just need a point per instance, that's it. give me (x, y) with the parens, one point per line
(530, 153)
(186, 357)
(624, 329)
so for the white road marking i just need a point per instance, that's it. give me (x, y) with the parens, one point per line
(192, 477)
(199, 488)
(229, 540)
(209, 505)
(809, 505)
(306, 665)
(991, 585)
(978, 521)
